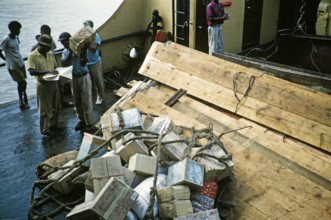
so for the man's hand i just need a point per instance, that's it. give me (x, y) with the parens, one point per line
(226, 16)
(54, 72)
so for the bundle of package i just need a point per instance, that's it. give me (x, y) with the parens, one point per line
(209, 214)
(174, 201)
(201, 203)
(127, 150)
(186, 172)
(127, 119)
(113, 202)
(82, 37)
(63, 182)
(214, 169)
(89, 143)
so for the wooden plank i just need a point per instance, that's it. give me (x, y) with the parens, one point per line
(277, 92)
(264, 185)
(289, 123)
(294, 155)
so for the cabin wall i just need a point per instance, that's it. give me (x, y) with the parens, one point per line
(269, 22)
(233, 28)
(126, 20)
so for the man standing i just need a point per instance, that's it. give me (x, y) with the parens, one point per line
(94, 64)
(44, 29)
(14, 61)
(215, 18)
(81, 83)
(40, 62)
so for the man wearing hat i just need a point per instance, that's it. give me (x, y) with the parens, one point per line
(42, 61)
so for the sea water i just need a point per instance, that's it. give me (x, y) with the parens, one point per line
(60, 15)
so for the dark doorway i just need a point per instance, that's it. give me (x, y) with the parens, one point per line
(201, 34)
(252, 23)
(294, 13)
(182, 19)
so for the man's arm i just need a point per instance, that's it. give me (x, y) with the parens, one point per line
(66, 58)
(34, 72)
(219, 19)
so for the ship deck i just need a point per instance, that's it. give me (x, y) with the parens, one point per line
(23, 149)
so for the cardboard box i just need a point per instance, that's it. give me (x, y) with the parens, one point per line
(113, 202)
(83, 36)
(63, 183)
(142, 164)
(131, 148)
(89, 143)
(129, 176)
(105, 127)
(186, 172)
(175, 151)
(102, 169)
(130, 118)
(161, 124)
(212, 214)
(213, 168)
(169, 193)
(175, 208)
(201, 203)
(89, 196)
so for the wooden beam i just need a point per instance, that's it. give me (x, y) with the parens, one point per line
(278, 104)
(264, 187)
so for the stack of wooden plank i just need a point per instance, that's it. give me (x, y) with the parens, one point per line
(281, 132)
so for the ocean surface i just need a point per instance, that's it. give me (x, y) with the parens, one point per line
(60, 15)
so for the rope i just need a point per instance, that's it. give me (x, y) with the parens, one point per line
(153, 192)
(250, 84)
(43, 183)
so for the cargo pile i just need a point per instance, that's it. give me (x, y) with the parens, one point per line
(148, 167)
(172, 153)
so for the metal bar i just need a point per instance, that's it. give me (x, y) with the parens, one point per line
(173, 99)
(140, 33)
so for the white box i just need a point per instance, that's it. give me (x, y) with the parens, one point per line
(131, 119)
(130, 148)
(89, 143)
(142, 164)
(187, 172)
(212, 214)
(113, 202)
(102, 169)
(64, 184)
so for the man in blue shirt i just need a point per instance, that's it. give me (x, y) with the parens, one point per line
(81, 83)
(94, 64)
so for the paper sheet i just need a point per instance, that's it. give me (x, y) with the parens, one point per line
(63, 71)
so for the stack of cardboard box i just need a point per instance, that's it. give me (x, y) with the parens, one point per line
(131, 172)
